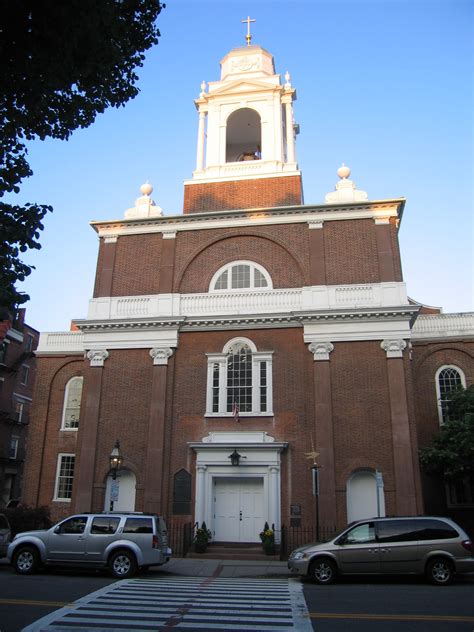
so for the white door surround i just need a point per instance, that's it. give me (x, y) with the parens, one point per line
(256, 476)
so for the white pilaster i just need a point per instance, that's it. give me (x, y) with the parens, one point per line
(200, 513)
(290, 138)
(200, 141)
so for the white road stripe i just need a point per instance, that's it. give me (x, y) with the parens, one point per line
(185, 604)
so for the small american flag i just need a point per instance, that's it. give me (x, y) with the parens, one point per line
(235, 412)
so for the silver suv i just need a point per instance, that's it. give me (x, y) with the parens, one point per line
(5, 535)
(123, 542)
(437, 547)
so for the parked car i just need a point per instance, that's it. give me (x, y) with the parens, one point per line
(437, 547)
(5, 535)
(123, 542)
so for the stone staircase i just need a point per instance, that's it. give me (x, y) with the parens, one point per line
(234, 551)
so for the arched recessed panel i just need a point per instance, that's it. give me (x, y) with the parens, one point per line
(243, 136)
(120, 493)
(364, 496)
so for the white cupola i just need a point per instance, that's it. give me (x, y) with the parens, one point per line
(246, 126)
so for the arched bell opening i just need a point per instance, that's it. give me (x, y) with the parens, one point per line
(243, 136)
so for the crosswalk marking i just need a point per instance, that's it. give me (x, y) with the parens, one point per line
(185, 603)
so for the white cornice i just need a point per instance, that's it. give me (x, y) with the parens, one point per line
(252, 217)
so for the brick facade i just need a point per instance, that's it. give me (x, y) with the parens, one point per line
(236, 194)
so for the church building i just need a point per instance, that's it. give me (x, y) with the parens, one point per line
(252, 359)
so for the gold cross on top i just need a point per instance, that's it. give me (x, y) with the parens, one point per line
(248, 37)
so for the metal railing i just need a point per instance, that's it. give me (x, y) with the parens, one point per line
(293, 537)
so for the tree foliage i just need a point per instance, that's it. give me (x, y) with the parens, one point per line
(62, 63)
(451, 452)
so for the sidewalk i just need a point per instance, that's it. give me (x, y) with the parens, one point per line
(193, 567)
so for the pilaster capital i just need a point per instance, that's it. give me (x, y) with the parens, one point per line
(201, 469)
(320, 350)
(315, 223)
(97, 357)
(274, 469)
(169, 234)
(110, 239)
(393, 348)
(160, 355)
(382, 220)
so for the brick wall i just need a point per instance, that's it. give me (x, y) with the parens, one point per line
(350, 256)
(236, 194)
(46, 440)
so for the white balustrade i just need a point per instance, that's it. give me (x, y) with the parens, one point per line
(61, 341)
(443, 325)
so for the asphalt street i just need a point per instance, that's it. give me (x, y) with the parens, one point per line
(235, 595)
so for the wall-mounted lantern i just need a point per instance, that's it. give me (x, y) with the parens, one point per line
(115, 459)
(235, 457)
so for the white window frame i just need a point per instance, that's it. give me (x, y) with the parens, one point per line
(65, 404)
(228, 268)
(14, 441)
(61, 455)
(221, 359)
(438, 390)
(24, 379)
(469, 492)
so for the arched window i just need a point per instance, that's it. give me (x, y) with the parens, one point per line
(72, 404)
(239, 381)
(240, 275)
(448, 378)
(243, 136)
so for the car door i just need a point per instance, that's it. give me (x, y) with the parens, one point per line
(102, 532)
(67, 541)
(358, 550)
(399, 545)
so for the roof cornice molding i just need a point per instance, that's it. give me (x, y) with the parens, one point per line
(252, 321)
(254, 216)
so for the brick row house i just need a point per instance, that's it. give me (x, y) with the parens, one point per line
(18, 342)
(239, 347)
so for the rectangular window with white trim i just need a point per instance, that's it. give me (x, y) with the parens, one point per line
(64, 477)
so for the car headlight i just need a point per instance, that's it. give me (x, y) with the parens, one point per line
(298, 555)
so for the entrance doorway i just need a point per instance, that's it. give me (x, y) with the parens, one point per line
(238, 509)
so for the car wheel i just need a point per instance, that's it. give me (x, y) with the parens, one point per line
(26, 560)
(123, 564)
(323, 571)
(440, 571)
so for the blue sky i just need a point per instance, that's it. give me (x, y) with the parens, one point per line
(383, 85)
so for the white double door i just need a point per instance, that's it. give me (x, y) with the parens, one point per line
(238, 509)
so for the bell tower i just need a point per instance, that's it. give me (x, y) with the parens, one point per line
(246, 146)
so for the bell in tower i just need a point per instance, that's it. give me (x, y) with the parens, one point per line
(246, 155)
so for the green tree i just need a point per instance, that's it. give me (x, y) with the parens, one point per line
(62, 63)
(451, 452)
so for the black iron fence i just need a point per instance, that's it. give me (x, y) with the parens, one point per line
(180, 537)
(293, 537)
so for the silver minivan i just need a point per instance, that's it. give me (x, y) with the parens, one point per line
(437, 547)
(122, 542)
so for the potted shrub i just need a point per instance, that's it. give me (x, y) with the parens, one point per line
(201, 538)
(267, 536)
